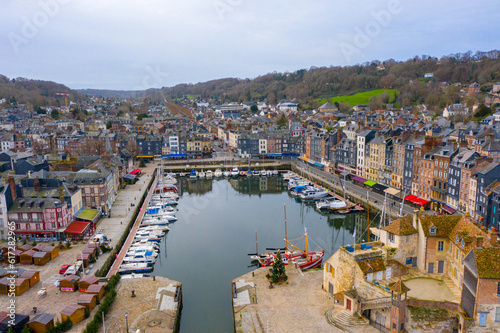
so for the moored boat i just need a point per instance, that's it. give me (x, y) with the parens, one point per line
(304, 259)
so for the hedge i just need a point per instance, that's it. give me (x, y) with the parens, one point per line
(109, 297)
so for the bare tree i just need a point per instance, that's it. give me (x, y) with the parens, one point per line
(133, 148)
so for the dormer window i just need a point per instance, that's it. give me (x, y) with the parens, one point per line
(432, 230)
(462, 244)
(456, 239)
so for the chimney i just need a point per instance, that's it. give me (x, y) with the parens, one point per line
(37, 184)
(493, 236)
(415, 219)
(61, 193)
(479, 241)
(12, 184)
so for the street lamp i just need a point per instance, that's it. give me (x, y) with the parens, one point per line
(126, 321)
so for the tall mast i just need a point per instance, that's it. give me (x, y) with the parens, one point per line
(402, 203)
(256, 244)
(307, 245)
(286, 236)
(368, 216)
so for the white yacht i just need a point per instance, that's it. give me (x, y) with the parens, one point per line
(217, 173)
(235, 172)
(333, 204)
(209, 174)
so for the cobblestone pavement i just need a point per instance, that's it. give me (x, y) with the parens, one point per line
(296, 306)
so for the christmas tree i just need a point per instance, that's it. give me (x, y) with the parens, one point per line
(278, 273)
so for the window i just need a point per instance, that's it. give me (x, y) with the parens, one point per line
(408, 237)
(497, 314)
(440, 246)
(432, 230)
(391, 237)
(53, 225)
(498, 289)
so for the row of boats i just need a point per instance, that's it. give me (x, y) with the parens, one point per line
(304, 189)
(161, 211)
(234, 172)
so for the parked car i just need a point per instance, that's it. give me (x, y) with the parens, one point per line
(63, 269)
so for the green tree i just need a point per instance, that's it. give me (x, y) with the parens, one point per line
(141, 116)
(281, 122)
(254, 108)
(54, 114)
(142, 164)
(277, 273)
(109, 124)
(482, 112)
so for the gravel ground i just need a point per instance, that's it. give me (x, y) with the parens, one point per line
(298, 306)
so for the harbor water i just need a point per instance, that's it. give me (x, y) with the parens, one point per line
(218, 218)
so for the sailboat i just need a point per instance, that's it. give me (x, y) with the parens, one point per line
(292, 254)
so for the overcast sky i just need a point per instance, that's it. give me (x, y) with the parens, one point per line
(122, 44)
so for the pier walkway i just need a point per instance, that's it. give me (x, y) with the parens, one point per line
(131, 235)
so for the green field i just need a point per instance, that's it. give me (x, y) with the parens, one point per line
(358, 98)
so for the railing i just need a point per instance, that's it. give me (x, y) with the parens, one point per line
(379, 326)
(381, 302)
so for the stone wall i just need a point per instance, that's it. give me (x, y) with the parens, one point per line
(426, 319)
(487, 301)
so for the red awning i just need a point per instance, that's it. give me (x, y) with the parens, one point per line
(421, 202)
(410, 198)
(77, 227)
(135, 172)
(449, 210)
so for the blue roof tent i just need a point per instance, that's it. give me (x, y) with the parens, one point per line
(173, 155)
(274, 155)
(318, 164)
(290, 154)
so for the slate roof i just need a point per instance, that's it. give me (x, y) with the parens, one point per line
(400, 287)
(488, 263)
(443, 223)
(401, 226)
(371, 265)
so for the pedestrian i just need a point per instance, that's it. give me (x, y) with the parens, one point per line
(57, 284)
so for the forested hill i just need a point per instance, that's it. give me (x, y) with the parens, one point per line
(310, 86)
(37, 92)
(408, 77)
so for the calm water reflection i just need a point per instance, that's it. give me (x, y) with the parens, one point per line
(208, 246)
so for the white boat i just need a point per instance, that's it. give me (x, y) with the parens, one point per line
(334, 204)
(218, 173)
(235, 172)
(142, 233)
(137, 251)
(153, 222)
(201, 174)
(313, 193)
(165, 216)
(275, 172)
(153, 228)
(139, 243)
(145, 245)
(182, 174)
(147, 258)
(256, 172)
(226, 173)
(136, 265)
(209, 174)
